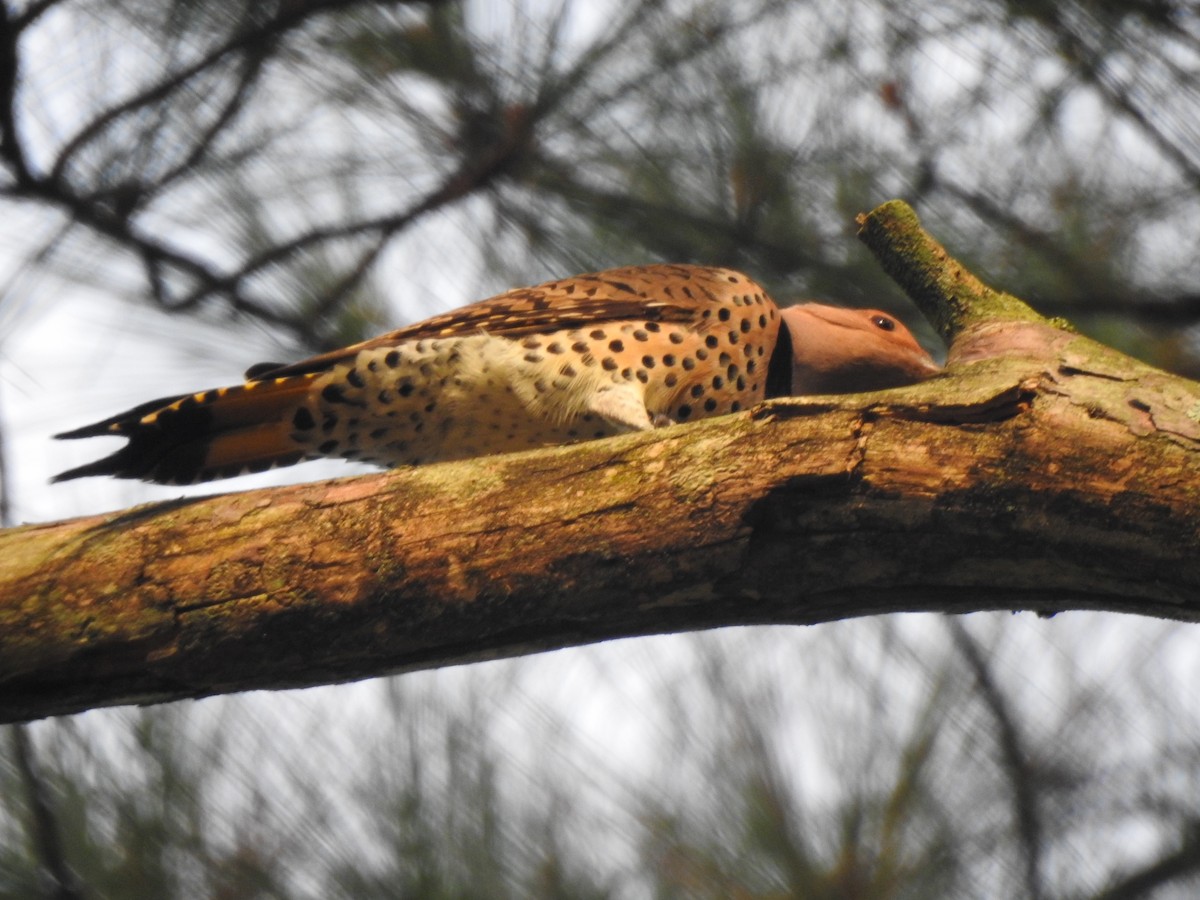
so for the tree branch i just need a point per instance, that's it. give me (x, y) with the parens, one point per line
(1043, 471)
(289, 17)
(1183, 863)
(48, 844)
(1021, 771)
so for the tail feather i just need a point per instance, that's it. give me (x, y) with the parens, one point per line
(199, 437)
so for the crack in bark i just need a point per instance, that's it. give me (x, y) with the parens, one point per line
(186, 608)
(1001, 406)
(1071, 370)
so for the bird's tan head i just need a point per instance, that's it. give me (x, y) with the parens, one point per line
(843, 351)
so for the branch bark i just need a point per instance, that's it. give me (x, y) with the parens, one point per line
(1044, 471)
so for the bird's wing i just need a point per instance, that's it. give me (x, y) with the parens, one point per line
(657, 293)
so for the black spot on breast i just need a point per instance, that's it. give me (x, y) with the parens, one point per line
(531, 343)
(640, 334)
(333, 393)
(745, 326)
(303, 419)
(404, 388)
(671, 380)
(697, 390)
(392, 359)
(354, 378)
(327, 447)
(711, 341)
(724, 314)
(653, 326)
(701, 353)
(580, 346)
(688, 363)
(643, 376)
(609, 364)
(735, 406)
(675, 337)
(616, 346)
(533, 357)
(718, 382)
(648, 361)
(734, 337)
(710, 404)
(684, 412)
(554, 347)
(668, 359)
(597, 335)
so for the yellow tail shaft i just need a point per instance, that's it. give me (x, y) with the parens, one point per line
(198, 437)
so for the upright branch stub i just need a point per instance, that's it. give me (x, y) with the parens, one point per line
(946, 293)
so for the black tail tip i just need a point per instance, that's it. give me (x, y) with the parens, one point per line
(100, 429)
(99, 467)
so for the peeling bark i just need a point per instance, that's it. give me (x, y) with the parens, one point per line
(1043, 471)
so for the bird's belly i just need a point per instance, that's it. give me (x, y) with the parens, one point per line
(447, 399)
(453, 398)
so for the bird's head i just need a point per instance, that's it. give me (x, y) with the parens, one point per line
(843, 351)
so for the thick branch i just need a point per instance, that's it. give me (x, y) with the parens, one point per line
(955, 497)
(1043, 471)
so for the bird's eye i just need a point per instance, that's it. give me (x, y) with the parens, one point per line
(884, 323)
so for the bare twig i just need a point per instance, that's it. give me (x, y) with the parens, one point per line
(1184, 862)
(47, 841)
(1022, 775)
(292, 15)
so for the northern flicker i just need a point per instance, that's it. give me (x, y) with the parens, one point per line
(585, 357)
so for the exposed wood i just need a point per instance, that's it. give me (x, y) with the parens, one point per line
(1044, 471)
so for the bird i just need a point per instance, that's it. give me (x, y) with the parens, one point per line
(586, 357)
